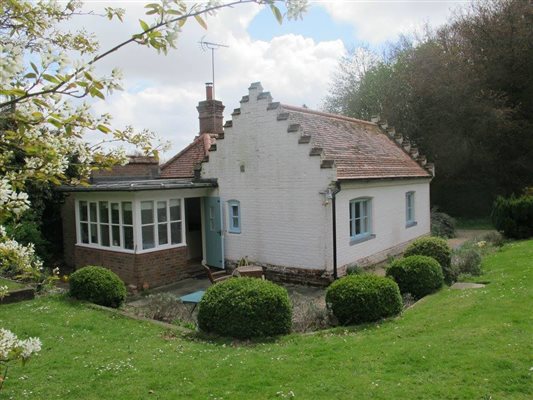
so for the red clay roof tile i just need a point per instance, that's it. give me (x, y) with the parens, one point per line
(360, 149)
(182, 165)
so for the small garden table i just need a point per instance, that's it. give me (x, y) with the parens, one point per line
(252, 271)
(193, 298)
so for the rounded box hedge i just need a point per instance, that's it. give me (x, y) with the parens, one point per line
(363, 298)
(97, 285)
(245, 308)
(418, 275)
(438, 249)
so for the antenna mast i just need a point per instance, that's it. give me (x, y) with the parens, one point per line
(205, 46)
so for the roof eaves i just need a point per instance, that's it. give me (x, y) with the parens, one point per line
(126, 186)
(390, 177)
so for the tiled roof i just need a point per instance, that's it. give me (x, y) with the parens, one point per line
(182, 165)
(359, 149)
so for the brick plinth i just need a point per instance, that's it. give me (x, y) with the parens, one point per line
(297, 275)
(154, 269)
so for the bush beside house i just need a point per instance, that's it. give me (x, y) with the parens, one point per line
(442, 225)
(245, 308)
(438, 249)
(98, 285)
(363, 298)
(417, 275)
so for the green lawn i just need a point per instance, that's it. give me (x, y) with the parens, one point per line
(474, 223)
(10, 284)
(475, 344)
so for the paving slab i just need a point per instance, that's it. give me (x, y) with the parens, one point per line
(466, 285)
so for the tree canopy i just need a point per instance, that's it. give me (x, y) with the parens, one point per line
(47, 73)
(464, 94)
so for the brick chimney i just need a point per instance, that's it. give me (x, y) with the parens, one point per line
(210, 112)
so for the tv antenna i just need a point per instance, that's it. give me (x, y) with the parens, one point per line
(206, 46)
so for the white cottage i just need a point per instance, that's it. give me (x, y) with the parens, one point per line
(304, 194)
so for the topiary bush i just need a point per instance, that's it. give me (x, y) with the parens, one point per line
(355, 299)
(245, 308)
(98, 285)
(438, 249)
(442, 225)
(418, 275)
(514, 216)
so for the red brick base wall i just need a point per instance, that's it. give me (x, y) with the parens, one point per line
(297, 275)
(154, 269)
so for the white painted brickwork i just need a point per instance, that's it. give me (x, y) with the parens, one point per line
(284, 220)
(388, 217)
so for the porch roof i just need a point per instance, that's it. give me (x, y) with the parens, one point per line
(138, 185)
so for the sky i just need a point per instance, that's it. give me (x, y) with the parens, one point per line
(295, 61)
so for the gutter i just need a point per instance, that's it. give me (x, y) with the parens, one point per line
(334, 225)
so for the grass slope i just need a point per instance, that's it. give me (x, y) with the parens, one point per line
(11, 285)
(474, 344)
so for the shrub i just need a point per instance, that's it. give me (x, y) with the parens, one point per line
(514, 216)
(97, 285)
(363, 298)
(354, 270)
(494, 238)
(438, 249)
(418, 275)
(442, 225)
(245, 308)
(164, 307)
(467, 261)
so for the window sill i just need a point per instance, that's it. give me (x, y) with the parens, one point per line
(235, 232)
(361, 239)
(110, 248)
(122, 250)
(410, 224)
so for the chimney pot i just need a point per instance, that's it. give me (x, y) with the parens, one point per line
(209, 91)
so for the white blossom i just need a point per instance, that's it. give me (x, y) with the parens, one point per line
(11, 348)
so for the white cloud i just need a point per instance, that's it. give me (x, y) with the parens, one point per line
(161, 92)
(380, 20)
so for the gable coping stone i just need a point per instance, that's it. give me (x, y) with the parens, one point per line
(264, 95)
(404, 143)
(293, 128)
(305, 138)
(327, 163)
(283, 116)
(316, 151)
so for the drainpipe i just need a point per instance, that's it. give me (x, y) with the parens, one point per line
(334, 224)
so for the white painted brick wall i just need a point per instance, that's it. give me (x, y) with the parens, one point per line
(388, 217)
(284, 220)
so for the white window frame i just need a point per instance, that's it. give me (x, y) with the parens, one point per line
(365, 220)
(231, 217)
(410, 209)
(136, 226)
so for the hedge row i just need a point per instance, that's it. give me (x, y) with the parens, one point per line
(514, 216)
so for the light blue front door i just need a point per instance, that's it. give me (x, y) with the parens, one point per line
(214, 241)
